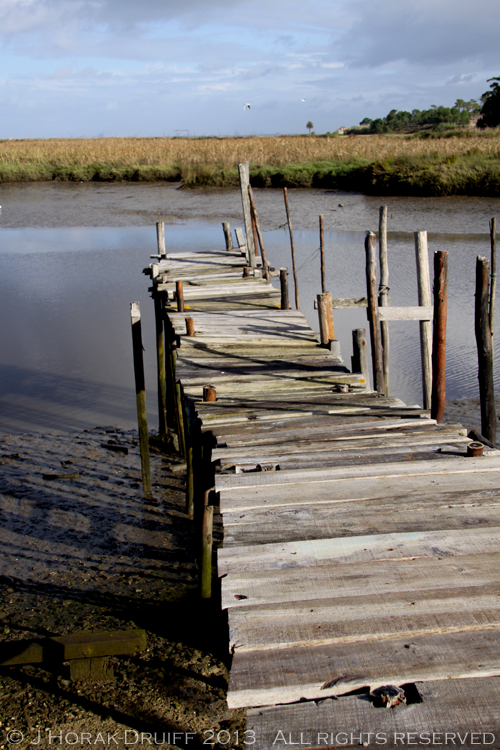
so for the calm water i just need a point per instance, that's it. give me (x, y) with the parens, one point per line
(71, 258)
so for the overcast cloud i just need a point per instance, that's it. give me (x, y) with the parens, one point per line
(157, 67)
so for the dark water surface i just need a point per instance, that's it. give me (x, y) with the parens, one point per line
(71, 257)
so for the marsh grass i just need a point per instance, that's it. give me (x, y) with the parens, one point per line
(459, 162)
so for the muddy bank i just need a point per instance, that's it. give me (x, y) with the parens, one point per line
(88, 553)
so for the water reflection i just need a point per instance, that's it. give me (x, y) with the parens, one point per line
(65, 353)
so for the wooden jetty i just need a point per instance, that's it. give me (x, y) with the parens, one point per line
(359, 539)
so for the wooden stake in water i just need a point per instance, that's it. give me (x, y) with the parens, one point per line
(485, 351)
(140, 390)
(424, 300)
(372, 312)
(227, 235)
(439, 336)
(322, 251)
(160, 236)
(493, 276)
(383, 291)
(292, 246)
(257, 227)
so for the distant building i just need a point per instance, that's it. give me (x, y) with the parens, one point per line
(341, 131)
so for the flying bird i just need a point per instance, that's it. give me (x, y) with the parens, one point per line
(246, 106)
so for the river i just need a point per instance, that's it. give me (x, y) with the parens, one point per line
(71, 256)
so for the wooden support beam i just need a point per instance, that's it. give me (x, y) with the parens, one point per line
(292, 247)
(240, 239)
(160, 237)
(485, 350)
(285, 302)
(227, 235)
(158, 300)
(424, 300)
(206, 551)
(325, 318)
(140, 391)
(180, 296)
(372, 312)
(255, 215)
(359, 362)
(439, 336)
(244, 173)
(322, 254)
(405, 313)
(383, 292)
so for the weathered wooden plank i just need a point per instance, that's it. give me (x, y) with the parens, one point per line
(356, 549)
(260, 678)
(340, 491)
(306, 476)
(380, 578)
(254, 454)
(418, 512)
(452, 712)
(364, 618)
(406, 313)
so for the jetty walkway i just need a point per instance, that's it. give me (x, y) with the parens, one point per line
(359, 543)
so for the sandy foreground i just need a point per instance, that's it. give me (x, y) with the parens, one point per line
(86, 551)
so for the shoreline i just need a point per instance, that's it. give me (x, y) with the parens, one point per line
(450, 163)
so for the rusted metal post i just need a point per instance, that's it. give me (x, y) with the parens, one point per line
(140, 392)
(359, 360)
(372, 313)
(180, 296)
(383, 291)
(227, 235)
(485, 351)
(292, 246)
(439, 336)
(209, 393)
(190, 326)
(285, 302)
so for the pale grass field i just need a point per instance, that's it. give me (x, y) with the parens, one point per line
(226, 153)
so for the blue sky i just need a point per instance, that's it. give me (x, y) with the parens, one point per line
(73, 68)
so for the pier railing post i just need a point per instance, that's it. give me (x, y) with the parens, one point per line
(372, 312)
(383, 292)
(359, 360)
(325, 314)
(227, 234)
(292, 247)
(140, 391)
(439, 336)
(424, 300)
(285, 302)
(244, 173)
(255, 215)
(160, 237)
(485, 351)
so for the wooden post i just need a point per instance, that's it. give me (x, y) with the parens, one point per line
(227, 234)
(140, 391)
(255, 215)
(372, 313)
(322, 251)
(206, 551)
(189, 459)
(160, 236)
(190, 326)
(180, 296)
(238, 233)
(485, 351)
(359, 361)
(493, 276)
(325, 314)
(383, 291)
(244, 172)
(254, 232)
(439, 336)
(424, 300)
(160, 362)
(170, 365)
(285, 302)
(246, 272)
(180, 418)
(292, 246)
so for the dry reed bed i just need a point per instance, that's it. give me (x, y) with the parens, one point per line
(226, 153)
